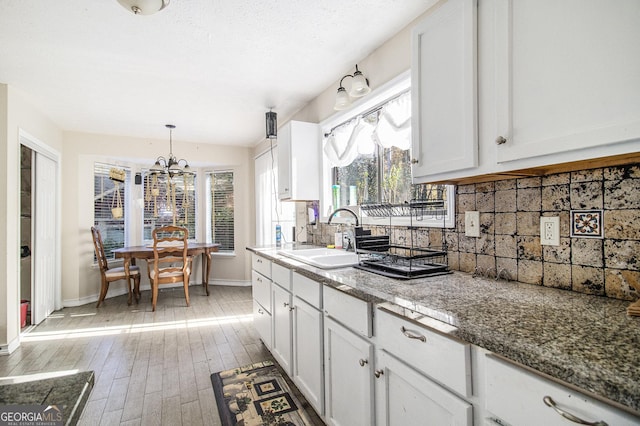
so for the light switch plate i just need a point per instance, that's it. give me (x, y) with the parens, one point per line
(550, 231)
(472, 224)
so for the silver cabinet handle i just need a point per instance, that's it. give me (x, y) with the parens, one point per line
(414, 161)
(258, 260)
(291, 308)
(551, 403)
(285, 304)
(260, 311)
(259, 279)
(413, 336)
(500, 140)
(363, 362)
(378, 373)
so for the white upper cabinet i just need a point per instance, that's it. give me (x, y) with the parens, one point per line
(298, 161)
(567, 76)
(444, 90)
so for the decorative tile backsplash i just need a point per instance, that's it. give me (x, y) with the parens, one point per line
(603, 204)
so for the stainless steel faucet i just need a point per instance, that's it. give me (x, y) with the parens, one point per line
(350, 235)
(343, 209)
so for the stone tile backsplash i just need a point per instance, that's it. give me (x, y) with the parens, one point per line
(509, 239)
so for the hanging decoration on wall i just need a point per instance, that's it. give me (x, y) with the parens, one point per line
(118, 177)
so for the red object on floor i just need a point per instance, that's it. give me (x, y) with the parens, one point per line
(24, 306)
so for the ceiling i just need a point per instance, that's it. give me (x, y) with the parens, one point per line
(211, 67)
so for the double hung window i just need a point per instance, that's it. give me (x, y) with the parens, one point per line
(370, 161)
(221, 209)
(169, 201)
(110, 205)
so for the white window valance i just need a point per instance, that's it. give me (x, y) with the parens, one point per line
(359, 136)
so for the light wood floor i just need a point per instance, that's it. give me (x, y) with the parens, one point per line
(151, 368)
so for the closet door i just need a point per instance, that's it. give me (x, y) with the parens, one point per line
(45, 265)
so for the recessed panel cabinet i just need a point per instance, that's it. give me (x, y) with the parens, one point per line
(567, 76)
(444, 90)
(405, 397)
(299, 161)
(500, 87)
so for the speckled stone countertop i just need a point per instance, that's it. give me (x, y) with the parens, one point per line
(69, 392)
(586, 341)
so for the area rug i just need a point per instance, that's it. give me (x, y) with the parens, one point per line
(257, 394)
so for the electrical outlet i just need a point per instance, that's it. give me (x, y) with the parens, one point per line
(550, 231)
(472, 224)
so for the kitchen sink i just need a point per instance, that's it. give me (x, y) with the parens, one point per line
(322, 258)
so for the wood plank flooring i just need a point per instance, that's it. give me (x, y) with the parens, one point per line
(151, 368)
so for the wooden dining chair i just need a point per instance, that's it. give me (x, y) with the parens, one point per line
(112, 274)
(171, 263)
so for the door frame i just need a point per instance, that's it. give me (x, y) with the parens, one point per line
(30, 141)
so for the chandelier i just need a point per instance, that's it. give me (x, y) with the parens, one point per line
(162, 174)
(170, 166)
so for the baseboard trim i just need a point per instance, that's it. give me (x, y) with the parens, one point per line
(114, 292)
(12, 346)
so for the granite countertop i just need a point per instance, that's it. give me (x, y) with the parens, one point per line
(68, 392)
(586, 341)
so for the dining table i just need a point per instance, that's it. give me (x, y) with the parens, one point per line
(131, 253)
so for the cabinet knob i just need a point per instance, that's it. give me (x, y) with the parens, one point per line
(575, 419)
(259, 279)
(291, 308)
(260, 311)
(363, 362)
(414, 161)
(378, 373)
(500, 140)
(285, 304)
(413, 336)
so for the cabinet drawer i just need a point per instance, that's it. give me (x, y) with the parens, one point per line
(308, 290)
(261, 287)
(350, 311)
(516, 395)
(442, 358)
(260, 264)
(281, 276)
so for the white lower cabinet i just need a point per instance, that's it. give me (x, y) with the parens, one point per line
(282, 327)
(519, 396)
(261, 290)
(406, 397)
(262, 323)
(348, 376)
(307, 353)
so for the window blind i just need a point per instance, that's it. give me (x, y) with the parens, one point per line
(222, 209)
(109, 194)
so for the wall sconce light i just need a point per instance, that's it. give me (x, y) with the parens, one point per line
(359, 87)
(271, 124)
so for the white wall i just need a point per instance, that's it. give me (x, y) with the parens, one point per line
(81, 280)
(16, 113)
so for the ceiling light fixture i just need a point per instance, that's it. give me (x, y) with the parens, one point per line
(359, 88)
(271, 121)
(170, 166)
(144, 7)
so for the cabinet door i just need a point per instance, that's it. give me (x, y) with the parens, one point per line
(262, 323)
(284, 162)
(282, 326)
(348, 376)
(298, 161)
(406, 397)
(444, 90)
(308, 353)
(566, 76)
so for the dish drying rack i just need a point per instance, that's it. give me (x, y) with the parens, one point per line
(384, 255)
